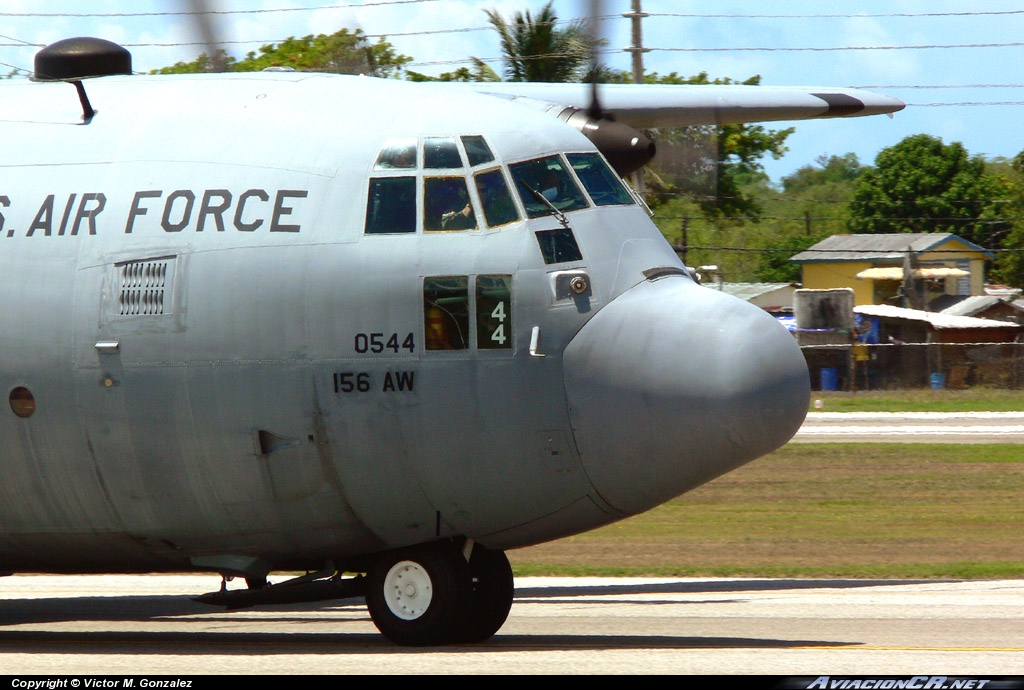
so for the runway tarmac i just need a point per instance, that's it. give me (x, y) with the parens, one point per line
(73, 626)
(912, 427)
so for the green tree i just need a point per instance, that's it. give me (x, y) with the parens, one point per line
(812, 205)
(827, 171)
(345, 52)
(536, 50)
(480, 72)
(713, 164)
(1008, 267)
(924, 185)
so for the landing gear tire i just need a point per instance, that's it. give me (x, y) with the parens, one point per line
(256, 582)
(420, 596)
(493, 588)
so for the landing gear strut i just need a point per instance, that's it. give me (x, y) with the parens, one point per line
(430, 594)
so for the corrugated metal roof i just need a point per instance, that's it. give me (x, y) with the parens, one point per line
(969, 306)
(749, 291)
(883, 247)
(937, 321)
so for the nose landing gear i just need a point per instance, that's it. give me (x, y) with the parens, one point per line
(430, 594)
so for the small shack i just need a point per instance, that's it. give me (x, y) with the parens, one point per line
(774, 298)
(920, 348)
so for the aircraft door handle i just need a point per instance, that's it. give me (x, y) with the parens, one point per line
(535, 343)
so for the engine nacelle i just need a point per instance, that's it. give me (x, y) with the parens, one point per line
(627, 149)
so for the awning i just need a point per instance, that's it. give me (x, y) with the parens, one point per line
(896, 273)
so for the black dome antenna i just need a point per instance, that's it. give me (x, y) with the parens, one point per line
(75, 59)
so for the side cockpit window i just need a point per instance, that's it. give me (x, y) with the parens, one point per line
(391, 205)
(549, 178)
(391, 199)
(603, 185)
(449, 305)
(446, 312)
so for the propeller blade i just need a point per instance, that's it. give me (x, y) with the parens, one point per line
(202, 16)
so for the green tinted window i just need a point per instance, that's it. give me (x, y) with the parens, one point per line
(496, 198)
(549, 178)
(494, 312)
(446, 312)
(391, 205)
(603, 185)
(477, 150)
(558, 246)
(441, 152)
(446, 204)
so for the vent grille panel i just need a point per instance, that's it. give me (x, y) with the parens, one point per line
(144, 287)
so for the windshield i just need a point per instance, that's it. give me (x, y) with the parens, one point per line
(603, 185)
(549, 178)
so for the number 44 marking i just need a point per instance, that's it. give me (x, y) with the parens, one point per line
(498, 335)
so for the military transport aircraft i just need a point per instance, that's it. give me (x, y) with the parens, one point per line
(374, 331)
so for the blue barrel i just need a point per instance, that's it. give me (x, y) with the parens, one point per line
(829, 379)
(938, 382)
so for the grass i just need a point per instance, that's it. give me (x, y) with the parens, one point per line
(822, 510)
(969, 400)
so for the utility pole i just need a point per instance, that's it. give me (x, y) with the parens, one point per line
(637, 50)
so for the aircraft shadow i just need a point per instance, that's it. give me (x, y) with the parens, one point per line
(705, 586)
(182, 612)
(278, 644)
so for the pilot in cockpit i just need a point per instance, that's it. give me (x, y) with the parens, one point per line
(461, 219)
(549, 185)
(450, 196)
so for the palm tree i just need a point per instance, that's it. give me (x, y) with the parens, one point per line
(535, 50)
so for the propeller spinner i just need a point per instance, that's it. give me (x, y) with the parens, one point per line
(626, 148)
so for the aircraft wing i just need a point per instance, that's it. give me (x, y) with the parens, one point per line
(647, 106)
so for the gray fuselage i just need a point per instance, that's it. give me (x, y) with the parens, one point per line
(228, 370)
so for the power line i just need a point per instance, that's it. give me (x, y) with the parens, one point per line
(378, 3)
(178, 13)
(859, 15)
(796, 250)
(786, 49)
(838, 219)
(964, 103)
(939, 86)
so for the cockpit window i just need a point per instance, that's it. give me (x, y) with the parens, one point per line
(477, 150)
(549, 178)
(441, 152)
(603, 185)
(391, 205)
(397, 154)
(446, 204)
(496, 198)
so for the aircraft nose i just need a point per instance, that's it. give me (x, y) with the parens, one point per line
(672, 384)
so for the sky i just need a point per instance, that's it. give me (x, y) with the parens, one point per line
(958, 64)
